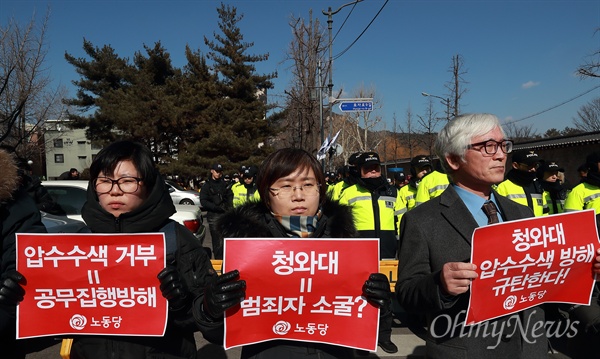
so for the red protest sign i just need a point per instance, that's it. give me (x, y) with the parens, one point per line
(303, 290)
(528, 262)
(98, 284)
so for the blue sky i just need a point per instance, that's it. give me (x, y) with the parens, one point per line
(520, 55)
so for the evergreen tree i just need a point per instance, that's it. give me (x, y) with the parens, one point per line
(188, 117)
(105, 72)
(238, 114)
(119, 100)
(197, 102)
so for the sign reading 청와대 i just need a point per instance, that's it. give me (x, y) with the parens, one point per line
(99, 284)
(528, 262)
(303, 290)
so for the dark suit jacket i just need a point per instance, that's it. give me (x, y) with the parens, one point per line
(437, 232)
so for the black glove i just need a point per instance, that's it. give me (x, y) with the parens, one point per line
(223, 293)
(11, 291)
(377, 290)
(173, 288)
(588, 315)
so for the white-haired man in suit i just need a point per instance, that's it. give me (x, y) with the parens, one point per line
(434, 272)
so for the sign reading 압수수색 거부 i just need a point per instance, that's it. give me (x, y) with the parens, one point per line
(100, 284)
(304, 289)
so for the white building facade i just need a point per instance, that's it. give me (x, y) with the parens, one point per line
(66, 148)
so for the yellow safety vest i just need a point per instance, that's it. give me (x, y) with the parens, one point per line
(336, 190)
(431, 186)
(407, 195)
(560, 204)
(376, 216)
(514, 192)
(583, 196)
(241, 196)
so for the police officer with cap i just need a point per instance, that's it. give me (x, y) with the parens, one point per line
(215, 198)
(399, 179)
(586, 195)
(420, 166)
(352, 175)
(521, 184)
(554, 191)
(246, 190)
(376, 208)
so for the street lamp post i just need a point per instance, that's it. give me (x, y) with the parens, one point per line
(330, 14)
(321, 110)
(445, 101)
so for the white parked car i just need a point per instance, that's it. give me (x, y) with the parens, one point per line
(71, 195)
(181, 195)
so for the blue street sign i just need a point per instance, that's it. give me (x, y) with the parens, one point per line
(350, 106)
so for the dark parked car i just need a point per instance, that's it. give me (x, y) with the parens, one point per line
(61, 224)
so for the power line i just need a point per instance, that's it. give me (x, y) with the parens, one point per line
(361, 34)
(553, 107)
(343, 23)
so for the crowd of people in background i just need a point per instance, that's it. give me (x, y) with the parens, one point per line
(422, 218)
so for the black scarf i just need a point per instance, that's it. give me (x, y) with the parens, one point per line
(521, 178)
(556, 189)
(373, 184)
(414, 182)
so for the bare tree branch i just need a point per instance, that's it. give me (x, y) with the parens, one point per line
(591, 67)
(588, 116)
(26, 97)
(456, 86)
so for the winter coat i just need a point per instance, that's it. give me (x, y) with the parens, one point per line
(253, 219)
(192, 264)
(41, 196)
(18, 214)
(215, 196)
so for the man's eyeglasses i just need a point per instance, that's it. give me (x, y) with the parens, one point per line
(309, 190)
(125, 184)
(491, 146)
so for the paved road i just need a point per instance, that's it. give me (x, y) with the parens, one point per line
(410, 346)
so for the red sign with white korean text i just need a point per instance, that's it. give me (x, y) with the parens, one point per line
(101, 284)
(528, 262)
(303, 290)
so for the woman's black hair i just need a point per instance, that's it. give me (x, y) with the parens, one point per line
(107, 159)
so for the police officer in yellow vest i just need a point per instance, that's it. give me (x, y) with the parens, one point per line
(431, 186)
(349, 179)
(586, 195)
(521, 184)
(554, 191)
(246, 189)
(376, 207)
(420, 166)
(237, 180)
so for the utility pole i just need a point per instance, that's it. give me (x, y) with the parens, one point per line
(321, 109)
(330, 14)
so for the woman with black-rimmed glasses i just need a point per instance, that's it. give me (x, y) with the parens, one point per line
(126, 194)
